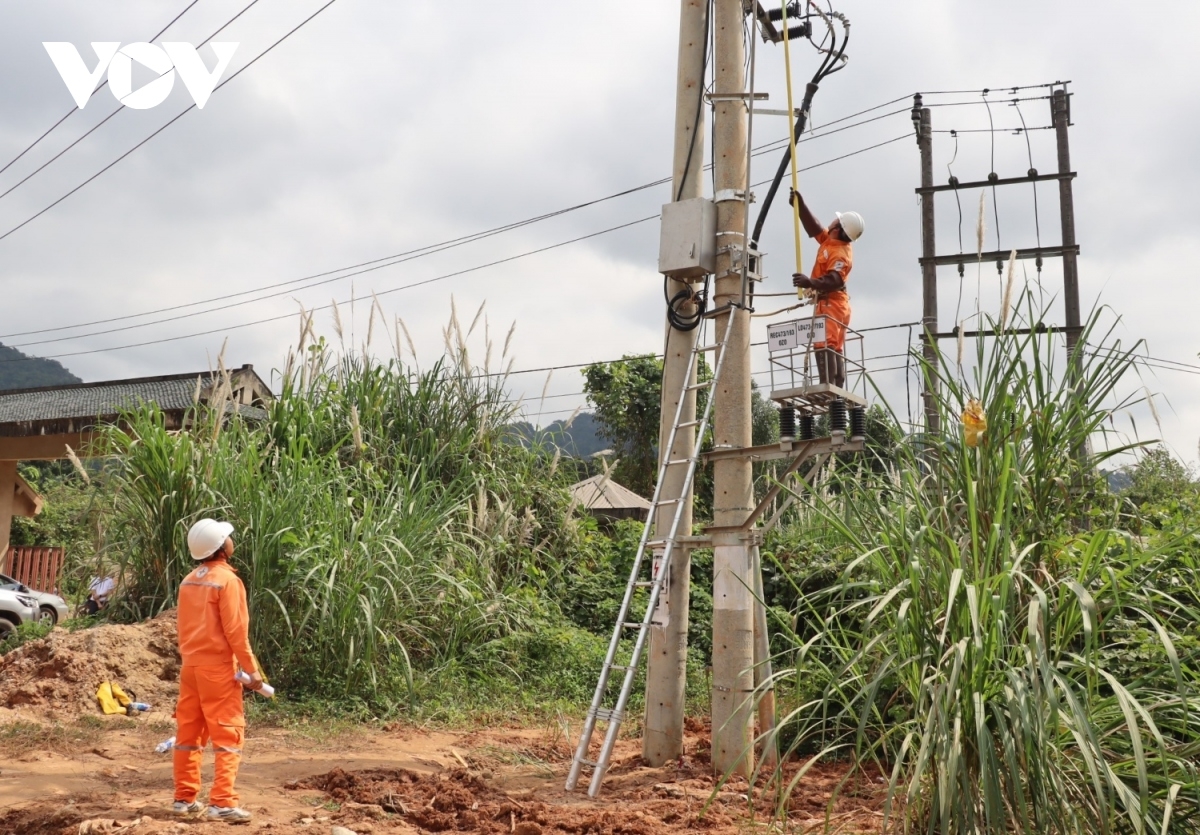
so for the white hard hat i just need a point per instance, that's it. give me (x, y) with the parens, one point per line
(852, 222)
(206, 536)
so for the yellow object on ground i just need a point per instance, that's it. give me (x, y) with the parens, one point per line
(974, 422)
(112, 698)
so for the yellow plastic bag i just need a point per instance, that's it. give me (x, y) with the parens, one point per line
(974, 423)
(112, 698)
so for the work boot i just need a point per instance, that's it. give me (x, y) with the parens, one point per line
(223, 813)
(839, 369)
(826, 365)
(182, 807)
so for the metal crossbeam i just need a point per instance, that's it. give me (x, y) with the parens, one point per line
(999, 256)
(999, 181)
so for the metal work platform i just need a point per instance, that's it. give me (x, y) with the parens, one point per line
(795, 378)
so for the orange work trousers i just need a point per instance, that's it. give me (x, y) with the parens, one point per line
(837, 317)
(209, 707)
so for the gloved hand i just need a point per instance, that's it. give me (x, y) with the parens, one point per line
(792, 195)
(801, 280)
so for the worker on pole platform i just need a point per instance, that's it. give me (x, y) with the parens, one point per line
(829, 275)
(214, 640)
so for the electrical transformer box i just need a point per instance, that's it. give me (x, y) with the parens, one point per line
(687, 246)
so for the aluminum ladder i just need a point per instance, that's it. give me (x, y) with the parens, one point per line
(614, 715)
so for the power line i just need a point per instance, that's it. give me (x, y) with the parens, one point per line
(329, 306)
(986, 90)
(104, 121)
(393, 259)
(167, 125)
(104, 84)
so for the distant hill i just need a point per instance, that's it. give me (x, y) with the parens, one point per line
(20, 371)
(581, 440)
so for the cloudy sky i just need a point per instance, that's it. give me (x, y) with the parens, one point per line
(381, 128)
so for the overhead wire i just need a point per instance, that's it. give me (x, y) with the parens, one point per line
(958, 203)
(992, 174)
(167, 125)
(100, 87)
(439, 247)
(104, 121)
(476, 268)
(371, 266)
(1037, 223)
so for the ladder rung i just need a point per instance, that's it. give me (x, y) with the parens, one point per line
(669, 501)
(688, 423)
(634, 624)
(654, 543)
(645, 584)
(673, 461)
(591, 763)
(697, 386)
(716, 346)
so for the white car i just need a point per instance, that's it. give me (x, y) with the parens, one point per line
(15, 608)
(50, 607)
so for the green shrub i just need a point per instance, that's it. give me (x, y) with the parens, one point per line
(1005, 657)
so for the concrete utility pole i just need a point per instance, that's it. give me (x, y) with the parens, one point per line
(1060, 111)
(929, 318)
(733, 499)
(666, 674)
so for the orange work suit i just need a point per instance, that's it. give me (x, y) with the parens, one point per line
(833, 256)
(214, 625)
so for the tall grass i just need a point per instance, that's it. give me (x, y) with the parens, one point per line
(382, 525)
(1007, 657)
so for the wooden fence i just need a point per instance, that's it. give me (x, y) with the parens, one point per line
(37, 567)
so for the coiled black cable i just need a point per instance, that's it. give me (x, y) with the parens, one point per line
(679, 320)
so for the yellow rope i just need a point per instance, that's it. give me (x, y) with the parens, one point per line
(787, 60)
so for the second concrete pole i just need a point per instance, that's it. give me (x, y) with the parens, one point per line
(733, 602)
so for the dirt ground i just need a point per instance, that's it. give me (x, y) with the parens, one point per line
(65, 769)
(86, 779)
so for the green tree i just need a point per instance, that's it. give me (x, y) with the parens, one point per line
(1158, 477)
(625, 396)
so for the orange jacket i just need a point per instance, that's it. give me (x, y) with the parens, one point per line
(834, 256)
(214, 622)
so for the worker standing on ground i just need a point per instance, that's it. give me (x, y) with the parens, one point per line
(214, 640)
(829, 275)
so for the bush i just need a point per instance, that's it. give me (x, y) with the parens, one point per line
(383, 529)
(1009, 660)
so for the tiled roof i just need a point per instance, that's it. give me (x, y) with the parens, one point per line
(599, 493)
(99, 400)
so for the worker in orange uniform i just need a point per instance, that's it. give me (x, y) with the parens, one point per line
(830, 272)
(213, 641)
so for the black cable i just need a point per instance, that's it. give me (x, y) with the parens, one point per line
(104, 121)
(699, 103)
(103, 84)
(167, 125)
(798, 131)
(679, 320)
